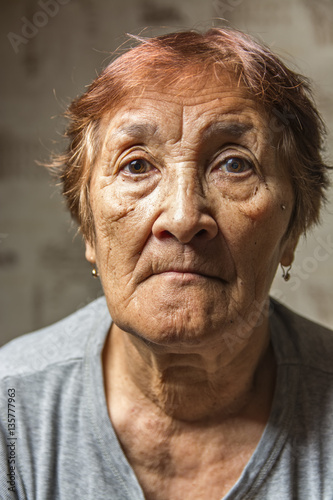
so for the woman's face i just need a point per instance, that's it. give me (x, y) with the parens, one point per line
(191, 210)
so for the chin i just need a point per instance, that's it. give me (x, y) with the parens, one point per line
(178, 328)
(189, 316)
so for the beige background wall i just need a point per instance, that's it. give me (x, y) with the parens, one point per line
(50, 50)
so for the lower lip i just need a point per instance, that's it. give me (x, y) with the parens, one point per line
(184, 277)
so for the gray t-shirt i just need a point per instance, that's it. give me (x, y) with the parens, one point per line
(57, 441)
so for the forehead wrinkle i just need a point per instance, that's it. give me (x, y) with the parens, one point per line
(143, 129)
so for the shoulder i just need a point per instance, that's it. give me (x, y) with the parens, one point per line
(58, 343)
(301, 341)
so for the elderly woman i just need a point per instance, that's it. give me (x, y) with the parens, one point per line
(193, 168)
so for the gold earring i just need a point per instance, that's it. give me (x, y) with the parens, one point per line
(286, 274)
(94, 272)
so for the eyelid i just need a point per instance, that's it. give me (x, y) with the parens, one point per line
(134, 153)
(127, 164)
(249, 163)
(236, 151)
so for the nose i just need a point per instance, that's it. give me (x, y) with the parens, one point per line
(184, 212)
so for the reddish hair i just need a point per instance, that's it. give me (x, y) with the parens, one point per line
(175, 58)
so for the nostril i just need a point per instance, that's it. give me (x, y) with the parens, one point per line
(166, 235)
(184, 225)
(202, 232)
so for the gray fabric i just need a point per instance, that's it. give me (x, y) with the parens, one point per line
(66, 448)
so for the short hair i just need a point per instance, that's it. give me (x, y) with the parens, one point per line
(171, 59)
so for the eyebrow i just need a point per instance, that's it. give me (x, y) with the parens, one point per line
(226, 128)
(138, 130)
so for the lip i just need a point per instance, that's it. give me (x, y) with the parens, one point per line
(186, 274)
(184, 277)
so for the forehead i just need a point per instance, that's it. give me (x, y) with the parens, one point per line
(173, 111)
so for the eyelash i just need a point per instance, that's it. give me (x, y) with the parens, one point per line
(247, 165)
(142, 160)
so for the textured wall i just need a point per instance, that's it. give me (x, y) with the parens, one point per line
(51, 49)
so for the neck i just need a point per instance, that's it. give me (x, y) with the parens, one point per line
(192, 384)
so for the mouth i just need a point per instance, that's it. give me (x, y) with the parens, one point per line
(186, 275)
(183, 277)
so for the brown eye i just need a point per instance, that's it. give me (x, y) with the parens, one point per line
(235, 165)
(138, 166)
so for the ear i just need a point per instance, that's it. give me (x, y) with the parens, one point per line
(288, 252)
(90, 252)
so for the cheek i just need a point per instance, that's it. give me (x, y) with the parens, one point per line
(122, 227)
(257, 226)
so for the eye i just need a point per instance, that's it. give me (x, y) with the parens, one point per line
(235, 165)
(139, 166)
